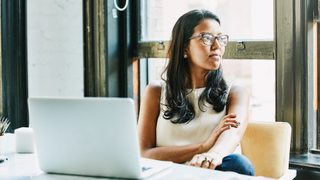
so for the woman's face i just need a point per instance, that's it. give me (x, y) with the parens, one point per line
(201, 57)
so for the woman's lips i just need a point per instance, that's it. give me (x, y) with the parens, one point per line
(215, 56)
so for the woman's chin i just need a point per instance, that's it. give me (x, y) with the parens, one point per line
(215, 66)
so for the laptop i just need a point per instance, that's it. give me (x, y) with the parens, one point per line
(90, 137)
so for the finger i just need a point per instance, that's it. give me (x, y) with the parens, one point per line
(221, 130)
(231, 125)
(225, 128)
(193, 160)
(197, 161)
(200, 161)
(214, 164)
(230, 116)
(205, 164)
(232, 122)
(226, 120)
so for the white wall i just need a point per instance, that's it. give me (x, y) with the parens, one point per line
(55, 48)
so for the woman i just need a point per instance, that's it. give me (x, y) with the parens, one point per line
(195, 116)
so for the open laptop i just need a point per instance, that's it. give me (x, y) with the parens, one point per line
(89, 136)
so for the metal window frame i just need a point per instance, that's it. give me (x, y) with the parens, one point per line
(318, 93)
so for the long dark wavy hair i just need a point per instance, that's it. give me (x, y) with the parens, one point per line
(179, 109)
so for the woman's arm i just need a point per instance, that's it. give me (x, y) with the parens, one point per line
(149, 112)
(237, 108)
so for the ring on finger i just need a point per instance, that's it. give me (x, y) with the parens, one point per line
(205, 160)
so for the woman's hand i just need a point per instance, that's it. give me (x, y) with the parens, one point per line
(226, 123)
(206, 160)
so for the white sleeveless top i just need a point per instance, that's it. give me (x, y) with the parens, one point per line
(197, 130)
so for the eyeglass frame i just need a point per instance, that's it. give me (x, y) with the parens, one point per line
(215, 37)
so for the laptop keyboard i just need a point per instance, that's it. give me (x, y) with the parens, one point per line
(145, 168)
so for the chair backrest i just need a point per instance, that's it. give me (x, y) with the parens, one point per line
(267, 145)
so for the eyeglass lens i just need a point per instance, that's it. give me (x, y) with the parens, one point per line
(209, 39)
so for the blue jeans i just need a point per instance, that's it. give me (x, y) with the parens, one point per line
(237, 163)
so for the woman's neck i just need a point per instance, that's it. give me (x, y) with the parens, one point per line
(198, 80)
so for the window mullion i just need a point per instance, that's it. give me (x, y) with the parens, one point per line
(318, 85)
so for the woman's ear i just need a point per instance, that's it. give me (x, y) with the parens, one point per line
(185, 53)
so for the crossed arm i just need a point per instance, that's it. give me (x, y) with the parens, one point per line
(222, 141)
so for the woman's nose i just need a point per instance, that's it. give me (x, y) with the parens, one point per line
(215, 45)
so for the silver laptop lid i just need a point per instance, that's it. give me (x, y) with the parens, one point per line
(86, 136)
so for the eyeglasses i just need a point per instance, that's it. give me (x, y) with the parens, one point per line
(209, 39)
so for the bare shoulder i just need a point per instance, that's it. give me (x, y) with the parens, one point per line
(154, 86)
(153, 89)
(238, 91)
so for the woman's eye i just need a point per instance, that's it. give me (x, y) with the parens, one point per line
(223, 38)
(206, 37)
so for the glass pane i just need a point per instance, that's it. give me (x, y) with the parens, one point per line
(55, 48)
(156, 67)
(245, 19)
(258, 76)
